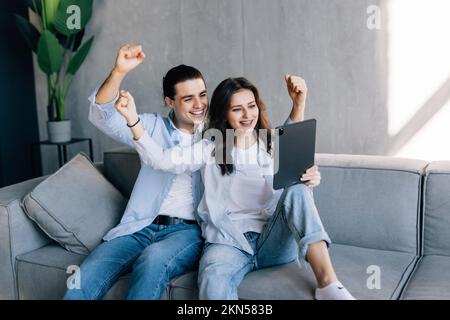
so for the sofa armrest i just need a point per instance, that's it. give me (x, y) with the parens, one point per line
(18, 234)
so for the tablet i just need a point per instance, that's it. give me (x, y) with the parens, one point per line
(295, 154)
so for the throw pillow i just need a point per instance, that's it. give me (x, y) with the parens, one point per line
(75, 206)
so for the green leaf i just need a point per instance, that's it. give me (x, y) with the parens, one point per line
(50, 53)
(34, 5)
(79, 57)
(72, 16)
(28, 31)
(49, 9)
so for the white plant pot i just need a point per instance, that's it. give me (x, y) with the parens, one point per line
(59, 131)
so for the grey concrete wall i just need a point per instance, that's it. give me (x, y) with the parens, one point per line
(324, 41)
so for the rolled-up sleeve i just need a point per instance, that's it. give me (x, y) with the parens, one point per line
(106, 118)
(101, 111)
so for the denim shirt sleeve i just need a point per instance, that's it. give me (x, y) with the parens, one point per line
(108, 120)
(176, 159)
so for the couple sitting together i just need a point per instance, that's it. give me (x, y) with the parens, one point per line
(200, 202)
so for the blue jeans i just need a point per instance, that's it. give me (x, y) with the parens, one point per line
(294, 225)
(154, 255)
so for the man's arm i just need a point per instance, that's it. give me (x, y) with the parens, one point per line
(102, 113)
(128, 58)
(110, 87)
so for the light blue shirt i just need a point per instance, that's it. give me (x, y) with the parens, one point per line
(151, 186)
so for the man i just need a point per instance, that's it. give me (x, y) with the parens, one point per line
(158, 237)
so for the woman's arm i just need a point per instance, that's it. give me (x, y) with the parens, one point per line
(176, 160)
(127, 108)
(298, 91)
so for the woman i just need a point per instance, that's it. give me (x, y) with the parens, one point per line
(246, 224)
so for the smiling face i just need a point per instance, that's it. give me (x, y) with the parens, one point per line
(237, 108)
(243, 112)
(190, 103)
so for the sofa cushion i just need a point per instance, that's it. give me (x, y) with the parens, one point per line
(42, 274)
(371, 201)
(437, 209)
(354, 267)
(430, 279)
(75, 206)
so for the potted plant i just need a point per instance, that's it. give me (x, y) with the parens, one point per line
(56, 39)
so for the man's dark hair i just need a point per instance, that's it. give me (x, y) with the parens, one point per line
(176, 75)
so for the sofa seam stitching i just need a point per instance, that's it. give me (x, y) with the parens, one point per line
(39, 264)
(398, 287)
(374, 169)
(414, 269)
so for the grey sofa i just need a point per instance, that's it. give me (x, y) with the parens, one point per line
(388, 219)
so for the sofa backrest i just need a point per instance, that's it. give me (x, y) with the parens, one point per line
(437, 209)
(371, 201)
(365, 201)
(121, 167)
